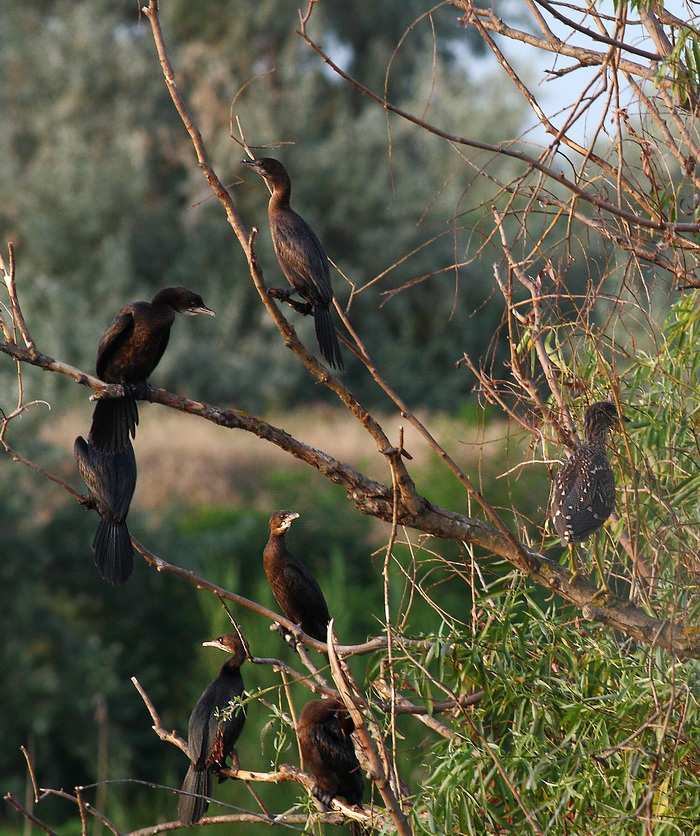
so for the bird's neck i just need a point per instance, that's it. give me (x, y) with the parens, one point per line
(595, 436)
(163, 299)
(281, 193)
(277, 536)
(161, 314)
(231, 669)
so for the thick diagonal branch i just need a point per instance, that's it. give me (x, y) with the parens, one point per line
(376, 499)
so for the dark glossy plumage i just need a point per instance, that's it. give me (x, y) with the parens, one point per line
(301, 256)
(211, 739)
(295, 589)
(111, 479)
(129, 350)
(583, 496)
(323, 731)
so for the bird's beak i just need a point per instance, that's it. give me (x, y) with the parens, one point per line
(214, 643)
(626, 419)
(251, 164)
(202, 309)
(293, 516)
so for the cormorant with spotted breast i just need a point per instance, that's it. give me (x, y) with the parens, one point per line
(583, 495)
(584, 489)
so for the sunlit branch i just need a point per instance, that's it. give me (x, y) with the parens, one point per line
(585, 57)
(12, 801)
(377, 765)
(246, 241)
(284, 774)
(373, 498)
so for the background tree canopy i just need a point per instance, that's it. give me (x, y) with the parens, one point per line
(106, 206)
(498, 286)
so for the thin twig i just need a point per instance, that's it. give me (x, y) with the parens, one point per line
(88, 807)
(170, 737)
(12, 801)
(348, 689)
(17, 316)
(31, 774)
(504, 150)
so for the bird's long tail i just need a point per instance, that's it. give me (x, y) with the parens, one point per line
(114, 555)
(327, 338)
(113, 420)
(191, 808)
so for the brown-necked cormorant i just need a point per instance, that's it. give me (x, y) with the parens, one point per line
(298, 594)
(301, 256)
(111, 479)
(129, 350)
(211, 739)
(324, 732)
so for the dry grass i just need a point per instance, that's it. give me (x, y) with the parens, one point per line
(182, 458)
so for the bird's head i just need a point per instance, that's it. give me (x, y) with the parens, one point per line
(280, 521)
(229, 643)
(269, 168)
(327, 709)
(182, 301)
(600, 416)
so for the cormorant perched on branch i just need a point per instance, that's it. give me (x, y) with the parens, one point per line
(301, 256)
(298, 594)
(128, 352)
(111, 479)
(584, 489)
(211, 739)
(324, 732)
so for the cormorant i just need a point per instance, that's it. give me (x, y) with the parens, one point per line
(111, 479)
(324, 732)
(211, 739)
(298, 594)
(584, 489)
(301, 256)
(129, 350)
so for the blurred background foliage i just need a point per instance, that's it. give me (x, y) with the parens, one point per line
(103, 200)
(104, 203)
(70, 637)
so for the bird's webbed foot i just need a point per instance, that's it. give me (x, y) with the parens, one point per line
(285, 634)
(282, 295)
(304, 308)
(221, 778)
(289, 638)
(323, 796)
(235, 764)
(285, 295)
(140, 391)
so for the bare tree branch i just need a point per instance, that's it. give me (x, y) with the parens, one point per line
(12, 801)
(375, 499)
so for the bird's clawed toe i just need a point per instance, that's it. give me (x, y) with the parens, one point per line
(323, 796)
(141, 390)
(278, 293)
